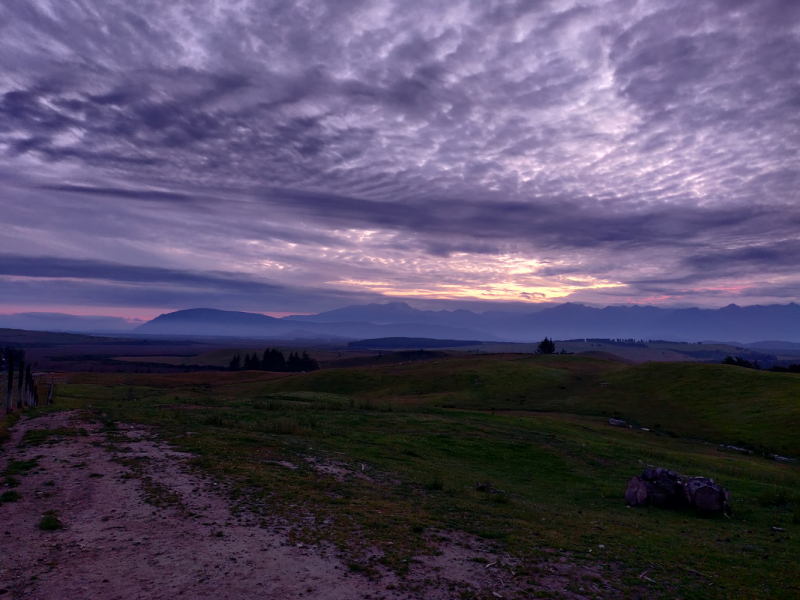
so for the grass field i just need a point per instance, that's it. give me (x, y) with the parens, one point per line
(392, 453)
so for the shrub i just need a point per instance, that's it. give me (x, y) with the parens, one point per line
(50, 521)
(10, 496)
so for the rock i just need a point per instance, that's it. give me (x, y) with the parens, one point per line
(667, 489)
(706, 496)
(782, 458)
(636, 493)
(664, 488)
(617, 423)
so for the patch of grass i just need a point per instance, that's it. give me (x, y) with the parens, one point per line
(435, 484)
(215, 420)
(159, 495)
(776, 497)
(10, 496)
(37, 437)
(12, 482)
(50, 521)
(6, 422)
(20, 467)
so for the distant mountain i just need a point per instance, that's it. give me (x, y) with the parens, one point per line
(202, 322)
(391, 312)
(570, 321)
(208, 322)
(46, 321)
(744, 324)
(565, 321)
(400, 312)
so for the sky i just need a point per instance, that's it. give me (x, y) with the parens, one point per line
(294, 156)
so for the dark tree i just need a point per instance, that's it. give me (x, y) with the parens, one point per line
(790, 369)
(273, 360)
(308, 363)
(546, 346)
(741, 362)
(251, 362)
(293, 363)
(236, 363)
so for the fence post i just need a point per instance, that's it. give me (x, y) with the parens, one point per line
(21, 377)
(10, 390)
(26, 401)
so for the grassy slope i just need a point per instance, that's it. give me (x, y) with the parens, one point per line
(564, 471)
(718, 403)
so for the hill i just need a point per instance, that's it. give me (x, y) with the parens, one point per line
(719, 403)
(386, 458)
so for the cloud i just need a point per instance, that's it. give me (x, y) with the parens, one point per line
(494, 146)
(81, 282)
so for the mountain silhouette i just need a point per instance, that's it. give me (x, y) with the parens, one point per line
(565, 321)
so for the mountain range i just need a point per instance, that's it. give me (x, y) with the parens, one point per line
(564, 321)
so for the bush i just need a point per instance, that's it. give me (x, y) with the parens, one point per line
(50, 521)
(10, 496)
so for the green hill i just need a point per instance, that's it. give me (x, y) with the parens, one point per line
(413, 439)
(717, 403)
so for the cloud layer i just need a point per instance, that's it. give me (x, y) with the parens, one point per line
(284, 156)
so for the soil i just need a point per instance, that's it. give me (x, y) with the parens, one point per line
(138, 522)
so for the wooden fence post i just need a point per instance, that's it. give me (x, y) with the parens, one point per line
(21, 377)
(10, 390)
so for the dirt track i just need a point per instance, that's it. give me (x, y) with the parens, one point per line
(116, 543)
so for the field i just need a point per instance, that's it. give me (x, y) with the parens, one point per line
(393, 453)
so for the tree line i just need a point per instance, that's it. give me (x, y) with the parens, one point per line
(738, 361)
(274, 360)
(11, 360)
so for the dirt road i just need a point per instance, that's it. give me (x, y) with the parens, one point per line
(137, 523)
